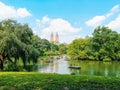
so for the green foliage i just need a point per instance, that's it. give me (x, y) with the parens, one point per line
(16, 42)
(78, 49)
(13, 67)
(103, 46)
(42, 45)
(56, 49)
(37, 81)
(51, 53)
(63, 48)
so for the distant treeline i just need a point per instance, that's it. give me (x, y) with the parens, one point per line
(104, 45)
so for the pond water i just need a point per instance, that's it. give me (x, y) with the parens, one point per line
(57, 66)
(97, 68)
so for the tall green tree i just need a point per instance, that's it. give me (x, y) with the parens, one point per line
(42, 45)
(78, 49)
(15, 43)
(105, 44)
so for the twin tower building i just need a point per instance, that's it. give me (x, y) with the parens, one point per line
(54, 39)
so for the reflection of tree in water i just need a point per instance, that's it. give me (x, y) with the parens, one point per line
(100, 68)
(75, 71)
(87, 67)
(51, 67)
(56, 66)
(106, 71)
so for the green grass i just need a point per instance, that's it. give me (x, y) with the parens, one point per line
(42, 81)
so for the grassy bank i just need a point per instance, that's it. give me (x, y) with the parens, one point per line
(38, 81)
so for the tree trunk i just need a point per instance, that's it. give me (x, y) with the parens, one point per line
(24, 63)
(1, 64)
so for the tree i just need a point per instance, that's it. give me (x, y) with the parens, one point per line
(45, 45)
(42, 45)
(15, 43)
(62, 48)
(54, 47)
(104, 44)
(78, 49)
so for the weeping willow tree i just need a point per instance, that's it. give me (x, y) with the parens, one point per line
(16, 42)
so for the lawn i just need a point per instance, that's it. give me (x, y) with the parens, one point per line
(43, 81)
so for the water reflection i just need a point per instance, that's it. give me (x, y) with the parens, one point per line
(100, 68)
(87, 67)
(57, 66)
(75, 71)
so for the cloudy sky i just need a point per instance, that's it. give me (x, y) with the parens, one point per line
(70, 18)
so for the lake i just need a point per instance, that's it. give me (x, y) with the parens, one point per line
(93, 68)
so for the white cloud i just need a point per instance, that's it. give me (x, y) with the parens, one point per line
(115, 24)
(22, 12)
(95, 21)
(115, 9)
(63, 27)
(98, 20)
(45, 19)
(10, 12)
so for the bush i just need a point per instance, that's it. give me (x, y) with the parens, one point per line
(107, 59)
(13, 67)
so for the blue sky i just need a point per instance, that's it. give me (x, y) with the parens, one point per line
(70, 18)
